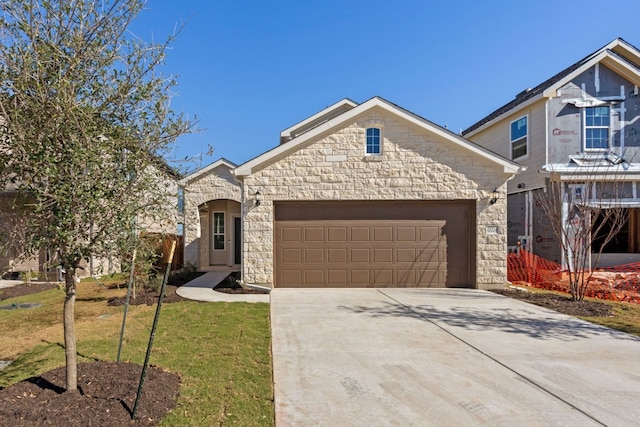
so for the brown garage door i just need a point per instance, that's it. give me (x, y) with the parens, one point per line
(374, 244)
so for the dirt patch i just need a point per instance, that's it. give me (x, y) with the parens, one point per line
(148, 296)
(105, 397)
(560, 303)
(25, 289)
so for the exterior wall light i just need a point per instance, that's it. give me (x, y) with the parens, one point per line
(494, 197)
(257, 194)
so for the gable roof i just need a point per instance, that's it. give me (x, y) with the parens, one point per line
(202, 171)
(287, 148)
(618, 55)
(317, 119)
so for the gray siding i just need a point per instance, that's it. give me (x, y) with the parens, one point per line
(565, 121)
(544, 240)
(516, 217)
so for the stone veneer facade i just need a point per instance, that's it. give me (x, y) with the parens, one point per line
(414, 165)
(216, 184)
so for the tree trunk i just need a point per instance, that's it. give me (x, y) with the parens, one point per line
(69, 329)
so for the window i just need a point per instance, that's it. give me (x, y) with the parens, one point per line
(218, 230)
(373, 141)
(519, 137)
(596, 128)
(180, 200)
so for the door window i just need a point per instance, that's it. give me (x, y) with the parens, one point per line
(218, 230)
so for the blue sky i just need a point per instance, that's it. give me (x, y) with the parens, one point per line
(248, 69)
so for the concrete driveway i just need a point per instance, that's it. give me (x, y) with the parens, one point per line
(445, 357)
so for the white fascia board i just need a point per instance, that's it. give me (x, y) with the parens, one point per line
(597, 173)
(346, 101)
(506, 114)
(551, 91)
(195, 174)
(600, 177)
(509, 167)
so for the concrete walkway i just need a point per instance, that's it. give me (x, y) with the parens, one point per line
(4, 283)
(445, 357)
(201, 289)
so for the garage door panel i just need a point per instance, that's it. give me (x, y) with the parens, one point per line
(293, 255)
(337, 255)
(360, 255)
(382, 234)
(429, 277)
(291, 277)
(360, 234)
(407, 255)
(337, 277)
(430, 233)
(431, 255)
(383, 255)
(337, 234)
(314, 277)
(315, 255)
(382, 277)
(406, 277)
(291, 234)
(360, 277)
(314, 234)
(406, 234)
(368, 247)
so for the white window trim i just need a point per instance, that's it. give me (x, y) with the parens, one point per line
(375, 126)
(526, 155)
(584, 130)
(213, 231)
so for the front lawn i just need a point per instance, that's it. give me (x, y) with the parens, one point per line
(220, 350)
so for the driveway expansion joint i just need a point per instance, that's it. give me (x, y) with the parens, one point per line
(492, 358)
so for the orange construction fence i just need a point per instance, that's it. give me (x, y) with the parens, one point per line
(619, 283)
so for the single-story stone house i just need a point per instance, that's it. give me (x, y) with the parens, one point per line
(358, 195)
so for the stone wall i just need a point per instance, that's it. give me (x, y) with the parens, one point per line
(216, 184)
(414, 165)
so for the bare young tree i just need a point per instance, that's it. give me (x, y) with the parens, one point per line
(85, 116)
(584, 214)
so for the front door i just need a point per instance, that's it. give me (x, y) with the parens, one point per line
(219, 248)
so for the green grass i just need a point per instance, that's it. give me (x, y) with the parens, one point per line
(220, 350)
(625, 315)
(625, 318)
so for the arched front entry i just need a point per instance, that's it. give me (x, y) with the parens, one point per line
(221, 233)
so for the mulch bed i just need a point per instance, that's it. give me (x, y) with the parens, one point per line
(105, 397)
(560, 303)
(231, 285)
